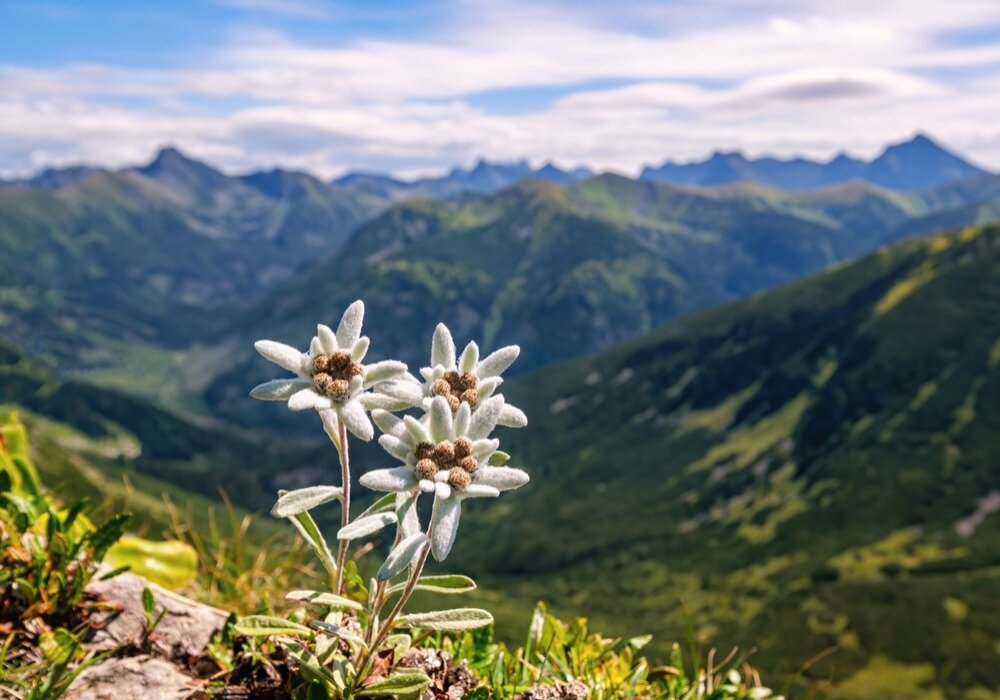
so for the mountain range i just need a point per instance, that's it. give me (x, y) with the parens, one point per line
(914, 164)
(917, 163)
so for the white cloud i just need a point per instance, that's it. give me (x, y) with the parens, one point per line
(788, 77)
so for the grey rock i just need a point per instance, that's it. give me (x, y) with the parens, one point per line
(187, 626)
(136, 677)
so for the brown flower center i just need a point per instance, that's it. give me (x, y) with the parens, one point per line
(454, 457)
(332, 374)
(457, 388)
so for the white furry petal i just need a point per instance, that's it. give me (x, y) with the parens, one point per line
(470, 358)
(501, 478)
(284, 356)
(495, 363)
(394, 479)
(396, 447)
(278, 389)
(349, 330)
(441, 424)
(383, 371)
(444, 525)
(443, 347)
(356, 420)
(360, 349)
(484, 418)
(512, 417)
(327, 340)
(307, 398)
(388, 423)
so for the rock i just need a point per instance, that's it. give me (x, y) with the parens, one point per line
(187, 626)
(133, 677)
(574, 690)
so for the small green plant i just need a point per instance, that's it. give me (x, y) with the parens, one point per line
(352, 646)
(566, 657)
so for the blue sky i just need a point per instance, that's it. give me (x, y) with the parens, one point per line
(416, 87)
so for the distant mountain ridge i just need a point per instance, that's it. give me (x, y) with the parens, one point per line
(917, 163)
(483, 178)
(914, 164)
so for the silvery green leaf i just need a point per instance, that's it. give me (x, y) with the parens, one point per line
(495, 363)
(401, 556)
(502, 478)
(417, 430)
(449, 584)
(441, 424)
(284, 356)
(383, 371)
(306, 526)
(327, 341)
(512, 417)
(406, 514)
(301, 500)
(402, 682)
(484, 418)
(362, 527)
(442, 347)
(360, 349)
(356, 420)
(349, 330)
(498, 458)
(266, 626)
(461, 420)
(396, 447)
(384, 504)
(454, 620)
(306, 399)
(278, 389)
(328, 599)
(312, 668)
(337, 631)
(394, 479)
(470, 356)
(401, 643)
(444, 525)
(388, 423)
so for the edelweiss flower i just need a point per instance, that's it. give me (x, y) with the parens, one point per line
(449, 457)
(330, 375)
(463, 381)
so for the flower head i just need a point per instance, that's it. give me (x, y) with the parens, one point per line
(448, 455)
(332, 376)
(464, 380)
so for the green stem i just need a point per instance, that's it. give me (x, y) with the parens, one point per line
(345, 512)
(386, 625)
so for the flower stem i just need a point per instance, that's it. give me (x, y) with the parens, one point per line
(345, 512)
(386, 625)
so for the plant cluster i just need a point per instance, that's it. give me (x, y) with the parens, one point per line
(446, 452)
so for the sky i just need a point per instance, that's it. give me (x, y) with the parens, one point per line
(413, 88)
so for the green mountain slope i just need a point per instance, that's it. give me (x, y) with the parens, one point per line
(96, 437)
(812, 471)
(150, 255)
(565, 271)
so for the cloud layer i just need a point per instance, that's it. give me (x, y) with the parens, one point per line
(571, 83)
